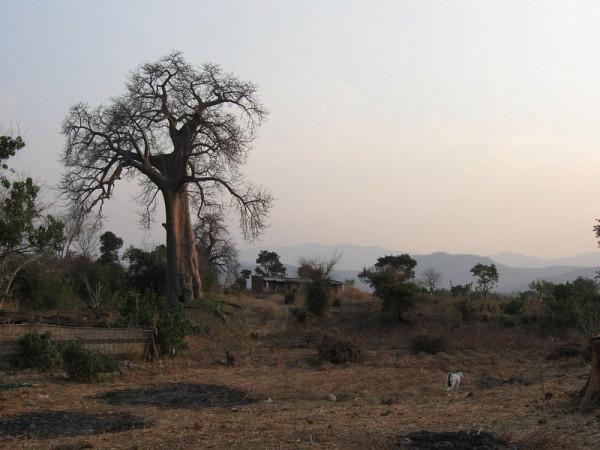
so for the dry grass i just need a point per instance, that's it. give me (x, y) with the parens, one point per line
(277, 394)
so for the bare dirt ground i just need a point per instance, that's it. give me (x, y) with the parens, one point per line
(274, 392)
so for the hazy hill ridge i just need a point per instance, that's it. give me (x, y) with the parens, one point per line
(516, 271)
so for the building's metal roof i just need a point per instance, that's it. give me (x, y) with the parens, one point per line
(292, 280)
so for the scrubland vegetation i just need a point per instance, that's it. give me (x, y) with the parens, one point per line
(296, 369)
(253, 374)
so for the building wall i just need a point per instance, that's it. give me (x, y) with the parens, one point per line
(272, 285)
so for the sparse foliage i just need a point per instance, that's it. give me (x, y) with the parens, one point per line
(541, 288)
(184, 133)
(216, 250)
(318, 268)
(431, 278)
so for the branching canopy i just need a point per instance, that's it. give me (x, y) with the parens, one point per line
(176, 127)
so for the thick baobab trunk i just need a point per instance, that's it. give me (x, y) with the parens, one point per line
(183, 275)
(591, 398)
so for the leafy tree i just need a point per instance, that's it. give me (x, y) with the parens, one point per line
(431, 278)
(246, 273)
(46, 285)
(25, 233)
(109, 247)
(391, 280)
(146, 270)
(574, 303)
(541, 288)
(9, 146)
(404, 265)
(487, 277)
(461, 290)
(239, 284)
(269, 265)
(184, 133)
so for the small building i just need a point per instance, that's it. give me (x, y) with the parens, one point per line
(280, 285)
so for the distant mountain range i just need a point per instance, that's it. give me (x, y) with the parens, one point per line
(515, 271)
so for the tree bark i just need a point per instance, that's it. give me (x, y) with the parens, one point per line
(183, 274)
(591, 397)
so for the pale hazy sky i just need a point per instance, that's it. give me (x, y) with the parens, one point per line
(417, 126)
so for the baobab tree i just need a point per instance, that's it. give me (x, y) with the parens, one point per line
(215, 247)
(184, 133)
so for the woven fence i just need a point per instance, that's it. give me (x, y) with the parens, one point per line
(122, 343)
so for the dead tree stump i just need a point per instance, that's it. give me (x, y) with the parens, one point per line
(591, 397)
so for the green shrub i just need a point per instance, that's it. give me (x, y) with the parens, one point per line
(44, 290)
(427, 344)
(238, 286)
(172, 330)
(137, 309)
(38, 351)
(82, 364)
(529, 318)
(512, 307)
(316, 298)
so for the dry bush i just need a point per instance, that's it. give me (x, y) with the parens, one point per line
(339, 349)
(425, 343)
(568, 350)
(532, 306)
(352, 294)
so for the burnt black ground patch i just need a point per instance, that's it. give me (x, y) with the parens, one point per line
(179, 395)
(490, 382)
(460, 440)
(51, 424)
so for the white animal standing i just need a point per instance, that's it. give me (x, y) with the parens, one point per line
(453, 381)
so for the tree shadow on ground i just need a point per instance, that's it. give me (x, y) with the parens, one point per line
(451, 440)
(179, 395)
(51, 424)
